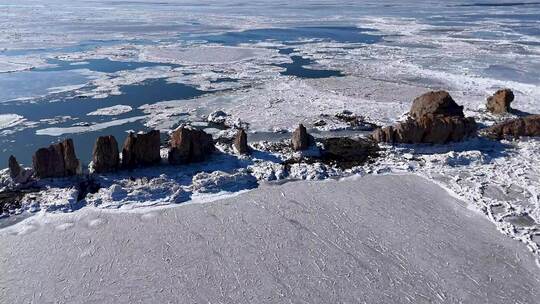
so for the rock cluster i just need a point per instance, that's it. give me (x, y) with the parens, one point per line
(514, 128)
(189, 145)
(300, 138)
(105, 155)
(436, 119)
(57, 160)
(141, 149)
(240, 142)
(499, 102)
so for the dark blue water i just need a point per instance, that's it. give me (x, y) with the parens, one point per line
(297, 68)
(99, 65)
(345, 34)
(25, 142)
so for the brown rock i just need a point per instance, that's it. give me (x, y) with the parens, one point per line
(71, 163)
(14, 167)
(105, 154)
(57, 160)
(300, 138)
(524, 126)
(385, 134)
(348, 152)
(434, 129)
(435, 102)
(500, 101)
(240, 142)
(189, 145)
(141, 150)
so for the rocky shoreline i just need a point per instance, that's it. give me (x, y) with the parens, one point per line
(434, 118)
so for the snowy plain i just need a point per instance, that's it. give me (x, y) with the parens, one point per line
(375, 239)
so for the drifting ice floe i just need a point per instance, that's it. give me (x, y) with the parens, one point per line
(87, 128)
(10, 120)
(111, 111)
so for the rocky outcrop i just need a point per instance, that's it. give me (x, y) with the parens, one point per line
(347, 152)
(141, 150)
(15, 169)
(105, 155)
(190, 145)
(433, 129)
(58, 160)
(300, 138)
(436, 103)
(240, 142)
(499, 102)
(514, 128)
(435, 119)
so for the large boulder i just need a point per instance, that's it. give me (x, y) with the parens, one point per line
(240, 142)
(437, 103)
(499, 102)
(514, 128)
(189, 145)
(105, 155)
(300, 138)
(433, 129)
(347, 152)
(141, 149)
(58, 160)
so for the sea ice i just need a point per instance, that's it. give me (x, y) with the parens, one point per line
(112, 111)
(10, 120)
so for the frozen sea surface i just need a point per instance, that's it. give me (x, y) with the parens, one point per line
(376, 239)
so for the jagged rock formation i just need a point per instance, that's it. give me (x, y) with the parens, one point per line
(58, 160)
(436, 119)
(141, 150)
(300, 138)
(437, 103)
(189, 145)
(523, 126)
(105, 155)
(499, 102)
(240, 142)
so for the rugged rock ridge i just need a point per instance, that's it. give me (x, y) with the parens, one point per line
(514, 128)
(435, 118)
(189, 145)
(58, 160)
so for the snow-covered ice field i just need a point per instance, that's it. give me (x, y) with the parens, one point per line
(375, 239)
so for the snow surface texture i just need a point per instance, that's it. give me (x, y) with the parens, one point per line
(376, 239)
